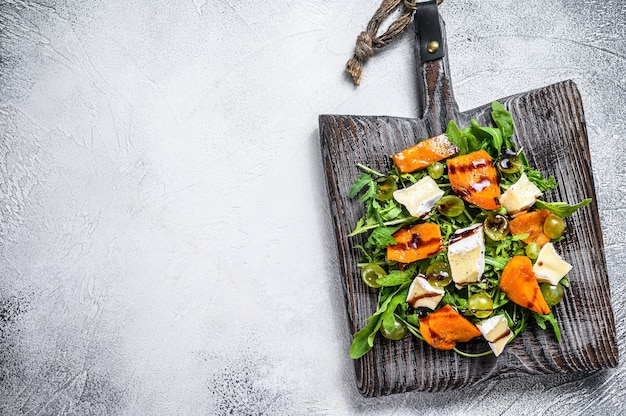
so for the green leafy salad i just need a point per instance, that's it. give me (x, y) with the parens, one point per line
(460, 245)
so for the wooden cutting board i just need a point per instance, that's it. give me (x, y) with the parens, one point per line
(550, 126)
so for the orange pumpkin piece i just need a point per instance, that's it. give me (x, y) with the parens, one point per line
(474, 178)
(531, 223)
(424, 153)
(445, 327)
(520, 285)
(414, 243)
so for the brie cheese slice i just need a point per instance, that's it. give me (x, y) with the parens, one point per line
(520, 196)
(550, 267)
(421, 197)
(466, 254)
(423, 294)
(496, 331)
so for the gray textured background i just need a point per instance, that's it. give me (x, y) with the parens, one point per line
(165, 242)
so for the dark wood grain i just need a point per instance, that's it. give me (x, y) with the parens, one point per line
(550, 126)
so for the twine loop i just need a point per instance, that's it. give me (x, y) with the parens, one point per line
(364, 48)
(369, 40)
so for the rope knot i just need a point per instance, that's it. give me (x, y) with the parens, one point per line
(368, 39)
(364, 48)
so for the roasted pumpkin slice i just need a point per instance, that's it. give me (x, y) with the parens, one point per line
(531, 223)
(416, 242)
(424, 153)
(445, 327)
(474, 178)
(519, 284)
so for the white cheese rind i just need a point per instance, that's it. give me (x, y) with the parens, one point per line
(466, 254)
(520, 196)
(496, 331)
(422, 294)
(550, 267)
(421, 197)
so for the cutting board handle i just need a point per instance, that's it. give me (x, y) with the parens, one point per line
(436, 104)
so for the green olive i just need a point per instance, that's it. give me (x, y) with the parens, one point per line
(532, 250)
(554, 226)
(396, 333)
(480, 304)
(496, 226)
(451, 206)
(509, 162)
(553, 294)
(435, 170)
(372, 272)
(386, 188)
(438, 274)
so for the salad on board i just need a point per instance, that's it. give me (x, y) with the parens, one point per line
(460, 244)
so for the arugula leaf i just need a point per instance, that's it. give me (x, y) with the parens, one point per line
(454, 299)
(362, 180)
(517, 323)
(371, 225)
(455, 136)
(359, 224)
(388, 316)
(397, 277)
(488, 135)
(472, 142)
(373, 211)
(538, 179)
(498, 263)
(387, 294)
(504, 121)
(542, 319)
(520, 237)
(363, 340)
(391, 210)
(382, 237)
(562, 209)
(364, 224)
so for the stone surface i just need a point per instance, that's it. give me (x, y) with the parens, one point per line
(165, 240)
